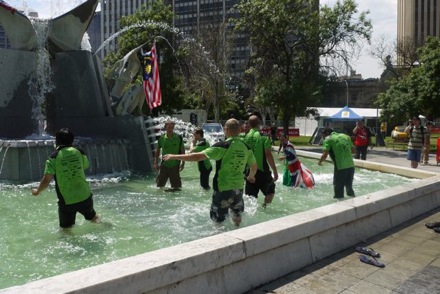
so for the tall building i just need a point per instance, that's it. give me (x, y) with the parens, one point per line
(94, 32)
(111, 12)
(417, 19)
(200, 18)
(192, 17)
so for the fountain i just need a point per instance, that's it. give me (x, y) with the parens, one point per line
(47, 83)
(138, 218)
(221, 263)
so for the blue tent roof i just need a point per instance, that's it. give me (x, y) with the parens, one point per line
(345, 114)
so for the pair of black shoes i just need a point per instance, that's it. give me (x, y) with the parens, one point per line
(434, 225)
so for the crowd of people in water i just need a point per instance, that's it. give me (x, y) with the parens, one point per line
(244, 164)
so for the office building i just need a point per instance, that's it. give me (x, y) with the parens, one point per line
(417, 19)
(111, 12)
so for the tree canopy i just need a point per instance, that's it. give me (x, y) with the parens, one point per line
(419, 91)
(292, 40)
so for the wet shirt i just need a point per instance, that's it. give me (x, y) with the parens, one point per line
(231, 158)
(339, 147)
(171, 145)
(199, 147)
(67, 164)
(258, 144)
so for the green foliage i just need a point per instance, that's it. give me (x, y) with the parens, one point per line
(419, 91)
(149, 25)
(289, 38)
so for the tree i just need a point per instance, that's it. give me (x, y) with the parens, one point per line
(418, 92)
(152, 24)
(289, 39)
(397, 58)
(206, 63)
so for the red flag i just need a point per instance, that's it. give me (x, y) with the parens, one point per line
(150, 72)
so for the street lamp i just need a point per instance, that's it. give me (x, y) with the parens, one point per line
(346, 84)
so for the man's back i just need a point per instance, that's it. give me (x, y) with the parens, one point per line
(232, 156)
(340, 148)
(258, 144)
(68, 165)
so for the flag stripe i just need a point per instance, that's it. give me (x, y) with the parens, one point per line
(152, 90)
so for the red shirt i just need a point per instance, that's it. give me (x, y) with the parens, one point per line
(361, 137)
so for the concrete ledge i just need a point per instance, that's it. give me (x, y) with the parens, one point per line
(227, 263)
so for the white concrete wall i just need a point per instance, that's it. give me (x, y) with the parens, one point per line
(237, 261)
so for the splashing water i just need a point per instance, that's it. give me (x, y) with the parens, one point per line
(41, 83)
(165, 27)
(184, 129)
(137, 217)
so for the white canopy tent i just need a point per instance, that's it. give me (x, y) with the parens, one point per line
(307, 125)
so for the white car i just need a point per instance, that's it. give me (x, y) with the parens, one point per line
(213, 132)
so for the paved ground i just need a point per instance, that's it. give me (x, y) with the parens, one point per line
(410, 252)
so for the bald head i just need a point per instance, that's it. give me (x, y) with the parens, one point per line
(254, 121)
(233, 127)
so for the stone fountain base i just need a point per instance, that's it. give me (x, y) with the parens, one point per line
(112, 144)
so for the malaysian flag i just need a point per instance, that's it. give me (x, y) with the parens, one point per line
(150, 74)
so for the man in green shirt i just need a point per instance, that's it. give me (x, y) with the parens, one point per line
(199, 144)
(67, 165)
(262, 148)
(169, 143)
(341, 149)
(231, 156)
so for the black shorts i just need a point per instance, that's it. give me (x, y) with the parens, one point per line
(223, 201)
(263, 182)
(67, 213)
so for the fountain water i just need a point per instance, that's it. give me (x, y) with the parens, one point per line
(138, 218)
(48, 69)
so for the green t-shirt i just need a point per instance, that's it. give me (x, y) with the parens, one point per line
(231, 157)
(339, 147)
(258, 145)
(199, 147)
(171, 145)
(67, 164)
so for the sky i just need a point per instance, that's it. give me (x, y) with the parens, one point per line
(383, 14)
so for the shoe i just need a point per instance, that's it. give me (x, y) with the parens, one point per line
(437, 230)
(433, 225)
(372, 261)
(367, 251)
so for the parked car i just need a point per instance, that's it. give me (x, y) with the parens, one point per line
(399, 133)
(213, 132)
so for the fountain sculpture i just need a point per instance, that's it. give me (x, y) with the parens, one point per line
(73, 94)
